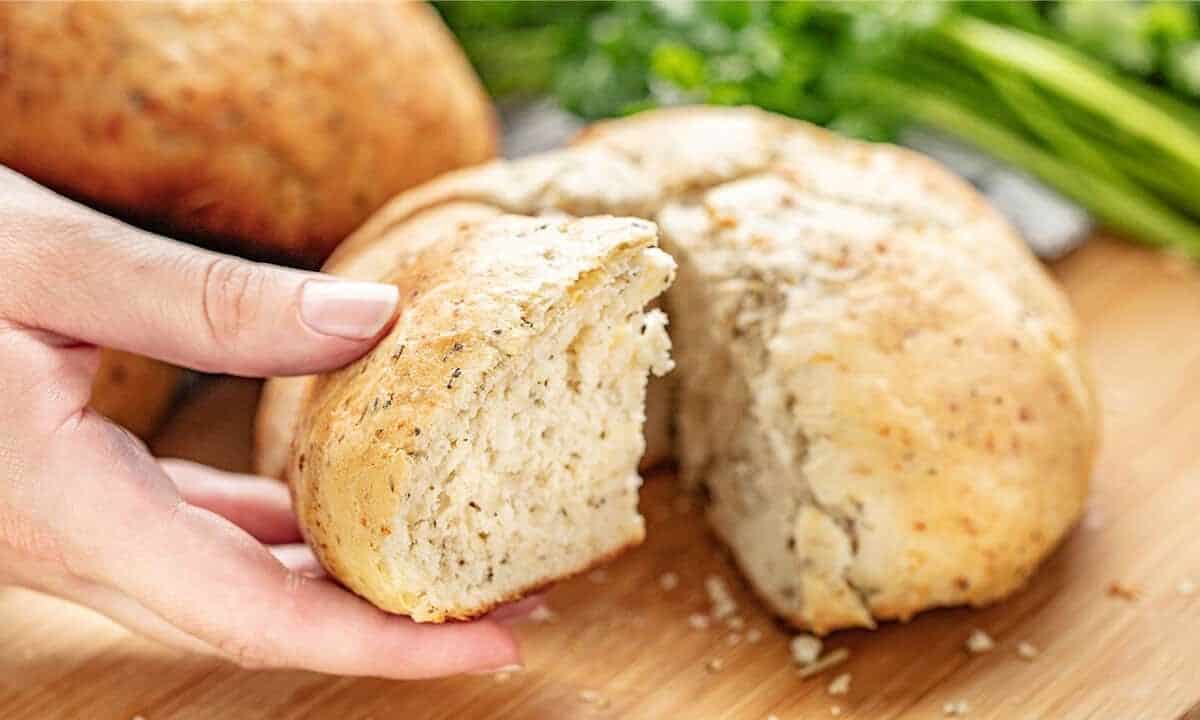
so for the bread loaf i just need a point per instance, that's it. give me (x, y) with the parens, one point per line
(879, 390)
(269, 127)
(134, 391)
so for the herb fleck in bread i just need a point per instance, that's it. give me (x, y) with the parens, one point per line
(879, 388)
(489, 444)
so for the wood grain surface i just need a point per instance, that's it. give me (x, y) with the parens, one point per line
(621, 646)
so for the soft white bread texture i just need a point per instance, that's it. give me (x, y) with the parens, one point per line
(489, 444)
(880, 390)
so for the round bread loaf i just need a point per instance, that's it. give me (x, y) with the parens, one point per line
(134, 391)
(274, 128)
(879, 388)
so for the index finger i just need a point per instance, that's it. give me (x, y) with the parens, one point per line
(78, 273)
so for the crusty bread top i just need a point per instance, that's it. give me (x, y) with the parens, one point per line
(636, 165)
(279, 126)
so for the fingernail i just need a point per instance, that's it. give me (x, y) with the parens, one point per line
(351, 310)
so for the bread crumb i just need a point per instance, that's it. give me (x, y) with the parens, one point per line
(698, 621)
(668, 581)
(1186, 587)
(714, 665)
(805, 649)
(753, 635)
(831, 659)
(722, 602)
(733, 639)
(543, 614)
(979, 642)
(835, 710)
(1120, 590)
(736, 622)
(840, 685)
(598, 576)
(1027, 651)
(956, 708)
(591, 697)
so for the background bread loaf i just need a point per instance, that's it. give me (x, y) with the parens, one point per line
(274, 128)
(134, 391)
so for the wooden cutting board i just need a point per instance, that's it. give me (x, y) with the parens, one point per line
(1104, 654)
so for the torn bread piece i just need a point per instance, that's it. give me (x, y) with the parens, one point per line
(488, 445)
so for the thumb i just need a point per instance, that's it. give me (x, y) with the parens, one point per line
(89, 277)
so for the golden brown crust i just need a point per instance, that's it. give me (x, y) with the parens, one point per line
(347, 523)
(277, 126)
(370, 254)
(134, 391)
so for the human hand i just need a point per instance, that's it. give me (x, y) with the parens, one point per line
(171, 549)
